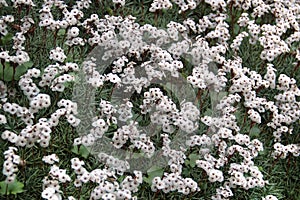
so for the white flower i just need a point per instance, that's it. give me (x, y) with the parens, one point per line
(121, 2)
(109, 196)
(254, 116)
(51, 159)
(76, 163)
(48, 193)
(73, 120)
(113, 78)
(215, 175)
(269, 197)
(3, 2)
(57, 54)
(85, 177)
(99, 123)
(73, 32)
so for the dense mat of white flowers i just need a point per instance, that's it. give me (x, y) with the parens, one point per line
(223, 138)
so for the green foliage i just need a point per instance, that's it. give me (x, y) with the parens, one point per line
(15, 187)
(6, 39)
(10, 73)
(254, 131)
(6, 72)
(81, 151)
(153, 172)
(192, 160)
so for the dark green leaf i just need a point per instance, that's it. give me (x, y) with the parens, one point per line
(236, 29)
(5, 39)
(28, 64)
(22, 69)
(7, 73)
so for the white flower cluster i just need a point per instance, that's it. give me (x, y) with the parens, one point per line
(56, 76)
(284, 109)
(17, 3)
(19, 38)
(70, 110)
(14, 109)
(106, 189)
(273, 45)
(51, 187)
(223, 128)
(238, 40)
(139, 141)
(57, 54)
(132, 183)
(159, 5)
(3, 23)
(51, 159)
(216, 4)
(72, 37)
(160, 56)
(244, 85)
(39, 102)
(281, 151)
(203, 78)
(114, 164)
(183, 5)
(10, 165)
(125, 111)
(40, 131)
(27, 84)
(167, 114)
(176, 157)
(220, 31)
(70, 18)
(174, 182)
(92, 76)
